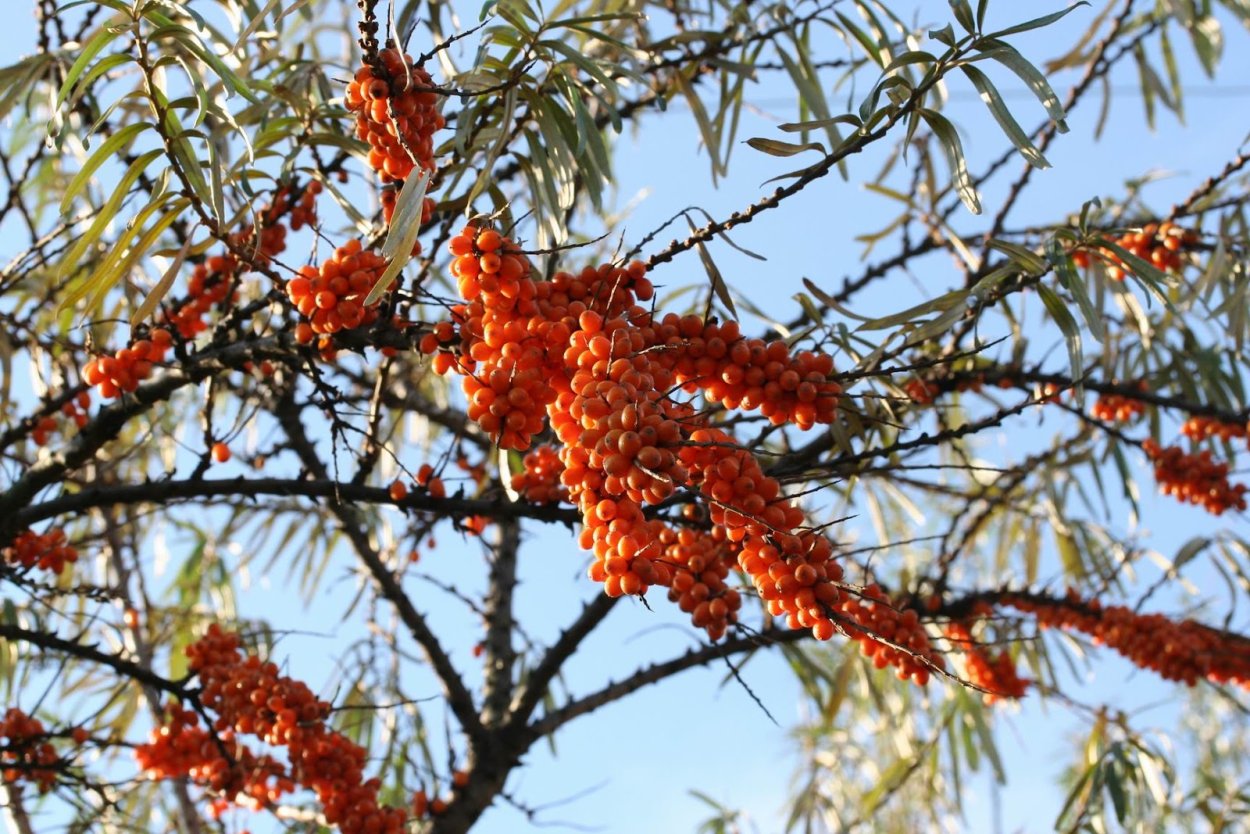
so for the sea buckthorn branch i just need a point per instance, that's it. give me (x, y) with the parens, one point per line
(533, 687)
(795, 466)
(997, 374)
(459, 699)
(111, 419)
(1186, 206)
(126, 668)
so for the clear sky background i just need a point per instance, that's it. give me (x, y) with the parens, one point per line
(629, 767)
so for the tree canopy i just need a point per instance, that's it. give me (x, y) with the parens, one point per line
(339, 367)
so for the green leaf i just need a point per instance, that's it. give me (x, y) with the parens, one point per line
(948, 138)
(159, 291)
(1208, 41)
(814, 124)
(774, 147)
(998, 109)
(1075, 285)
(707, 130)
(713, 274)
(1006, 54)
(1038, 22)
(102, 39)
(874, 52)
(963, 15)
(110, 148)
(1067, 324)
(107, 213)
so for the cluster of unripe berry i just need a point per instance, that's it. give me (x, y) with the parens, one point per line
(1162, 244)
(1117, 408)
(1201, 428)
(125, 369)
(26, 755)
(251, 698)
(332, 297)
(74, 410)
(47, 551)
(539, 481)
(1194, 478)
(996, 676)
(1185, 651)
(396, 114)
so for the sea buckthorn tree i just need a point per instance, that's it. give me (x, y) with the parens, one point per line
(358, 405)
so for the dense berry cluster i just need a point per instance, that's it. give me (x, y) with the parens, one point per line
(180, 748)
(700, 561)
(1162, 244)
(1184, 651)
(396, 114)
(251, 698)
(1194, 478)
(539, 481)
(332, 297)
(26, 755)
(125, 369)
(889, 635)
(996, 675)
(1116, 408)
(580, 352)
(1200, 428)
(46, 551)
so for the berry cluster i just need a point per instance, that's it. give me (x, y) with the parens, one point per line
(1184, 651)
(539, 482)
(180, 748)
(1200, 428)
(748, 373)
(26, 756)
(603, 368)
(1116, 408)
(1195, 478)
(506, 373)
(46, 551)
(889, 635)
(922, 391)
(332, 297)
(396, 114)
(75, 410)
(212, 283)
(125, 369)
(431, 483)
(996, 675)
(1162, 244)
(700, 561)
(251, 698)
